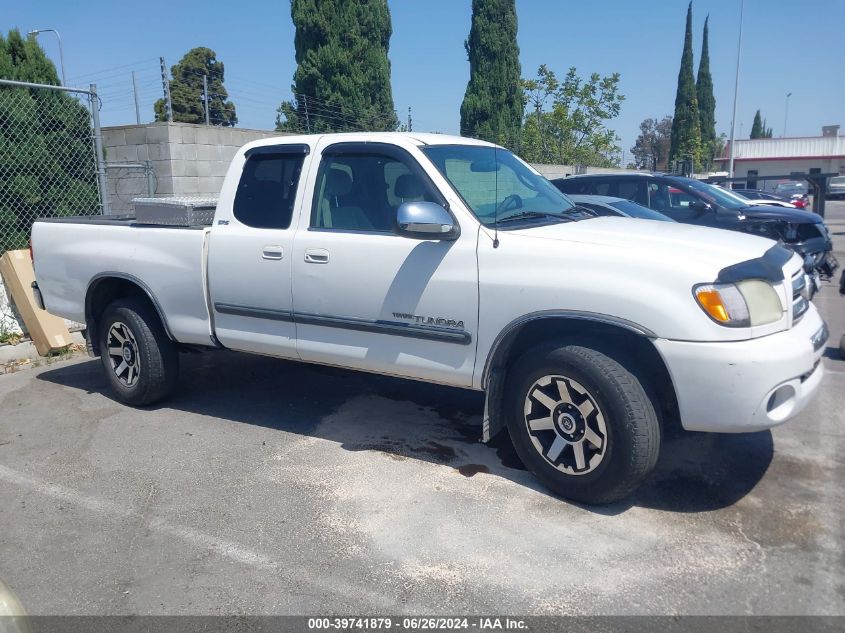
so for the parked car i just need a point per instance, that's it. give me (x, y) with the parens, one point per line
(608, 205)
(836, 187)
(451, 261)
(756, 196)
(794, 191)
(694, 202)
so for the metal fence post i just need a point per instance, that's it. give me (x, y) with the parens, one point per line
(165, 82)
(205, 96)
(98, 149)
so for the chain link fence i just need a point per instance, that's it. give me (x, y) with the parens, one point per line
(127, 181)
(49, 149)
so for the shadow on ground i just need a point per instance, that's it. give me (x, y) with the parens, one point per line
(697, 472)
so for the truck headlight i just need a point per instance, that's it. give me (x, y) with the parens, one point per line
(743, 304)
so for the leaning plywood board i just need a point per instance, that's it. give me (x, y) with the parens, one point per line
(47, 331)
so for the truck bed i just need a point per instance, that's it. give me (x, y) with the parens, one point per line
(72, 253)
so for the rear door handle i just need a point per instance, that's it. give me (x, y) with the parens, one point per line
(316, 256)
(273, 252)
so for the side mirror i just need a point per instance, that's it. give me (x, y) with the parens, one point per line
(425, 221)
(701, 207)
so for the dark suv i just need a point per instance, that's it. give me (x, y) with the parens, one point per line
(693, 202)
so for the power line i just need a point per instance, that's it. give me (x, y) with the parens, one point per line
(108, 70)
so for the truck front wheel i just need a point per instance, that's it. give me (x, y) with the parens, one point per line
(140, 361)
(581, 421)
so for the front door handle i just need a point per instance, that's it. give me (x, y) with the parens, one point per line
(272, 252)
(316, 256)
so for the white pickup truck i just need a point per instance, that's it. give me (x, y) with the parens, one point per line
(449, 260)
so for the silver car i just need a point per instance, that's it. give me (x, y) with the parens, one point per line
(836, 187)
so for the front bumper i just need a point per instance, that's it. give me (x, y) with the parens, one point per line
(742, 386)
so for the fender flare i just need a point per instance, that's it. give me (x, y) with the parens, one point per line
(492, 380)
(90, 322)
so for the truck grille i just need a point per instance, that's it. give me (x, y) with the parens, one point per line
(800, 304)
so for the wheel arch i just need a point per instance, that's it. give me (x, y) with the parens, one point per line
(105, 288)
(532, 329)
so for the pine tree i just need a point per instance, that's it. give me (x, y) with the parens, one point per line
(757, 130)
(686, 127)
(46, 161)
(342, 80)
(706, 100)
(493, 103)
(186, 91)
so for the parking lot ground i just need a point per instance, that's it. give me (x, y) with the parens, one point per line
(268, 487)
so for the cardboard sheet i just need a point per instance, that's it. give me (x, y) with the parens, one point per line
(48, 332)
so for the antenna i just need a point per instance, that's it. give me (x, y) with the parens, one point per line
(496, 196)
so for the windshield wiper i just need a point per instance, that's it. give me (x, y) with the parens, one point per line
(522, 215)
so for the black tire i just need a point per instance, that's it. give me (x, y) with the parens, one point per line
(152, 365)
(618, 412)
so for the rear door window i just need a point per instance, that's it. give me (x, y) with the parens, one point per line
(267, 190)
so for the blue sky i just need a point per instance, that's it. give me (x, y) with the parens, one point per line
(788, 46)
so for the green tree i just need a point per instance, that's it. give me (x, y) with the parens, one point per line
(686, 126)
(186, 91)
(493, 103)
(47, 165)
(651, 149)
(565, 121)
(342, 79)
(759, 128)
(706, 101)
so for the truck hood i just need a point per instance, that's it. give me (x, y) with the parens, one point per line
(667, 241)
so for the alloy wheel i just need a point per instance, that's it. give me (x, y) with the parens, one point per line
(565, 424)
(123, 354)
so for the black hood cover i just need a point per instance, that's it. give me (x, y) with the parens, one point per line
(769, 267)
(783, 214)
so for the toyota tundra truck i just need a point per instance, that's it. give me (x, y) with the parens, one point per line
(450, 260)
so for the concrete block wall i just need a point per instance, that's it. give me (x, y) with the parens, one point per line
(187, 159)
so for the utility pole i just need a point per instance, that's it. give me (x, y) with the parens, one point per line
(410, 123)
(165, 82)
(736, 90)
(135, 93)
(205, 96)
(786, 114)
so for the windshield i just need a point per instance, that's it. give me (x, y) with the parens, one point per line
(734, 194)
(790, 187)
(495, 184)
(713, 194)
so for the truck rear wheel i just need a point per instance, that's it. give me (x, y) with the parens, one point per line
(581, 421)
(140, 361)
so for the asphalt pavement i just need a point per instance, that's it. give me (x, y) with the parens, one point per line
(269, 487)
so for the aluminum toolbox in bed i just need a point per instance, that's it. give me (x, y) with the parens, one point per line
(175, 211)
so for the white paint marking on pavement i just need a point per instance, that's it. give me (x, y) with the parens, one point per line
(229, 549)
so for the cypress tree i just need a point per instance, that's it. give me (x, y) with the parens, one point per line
(493, 102)
(186, 91)
(342, 79)
(686, 127)
(706, 100)
(757, 130)
(46, 159)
